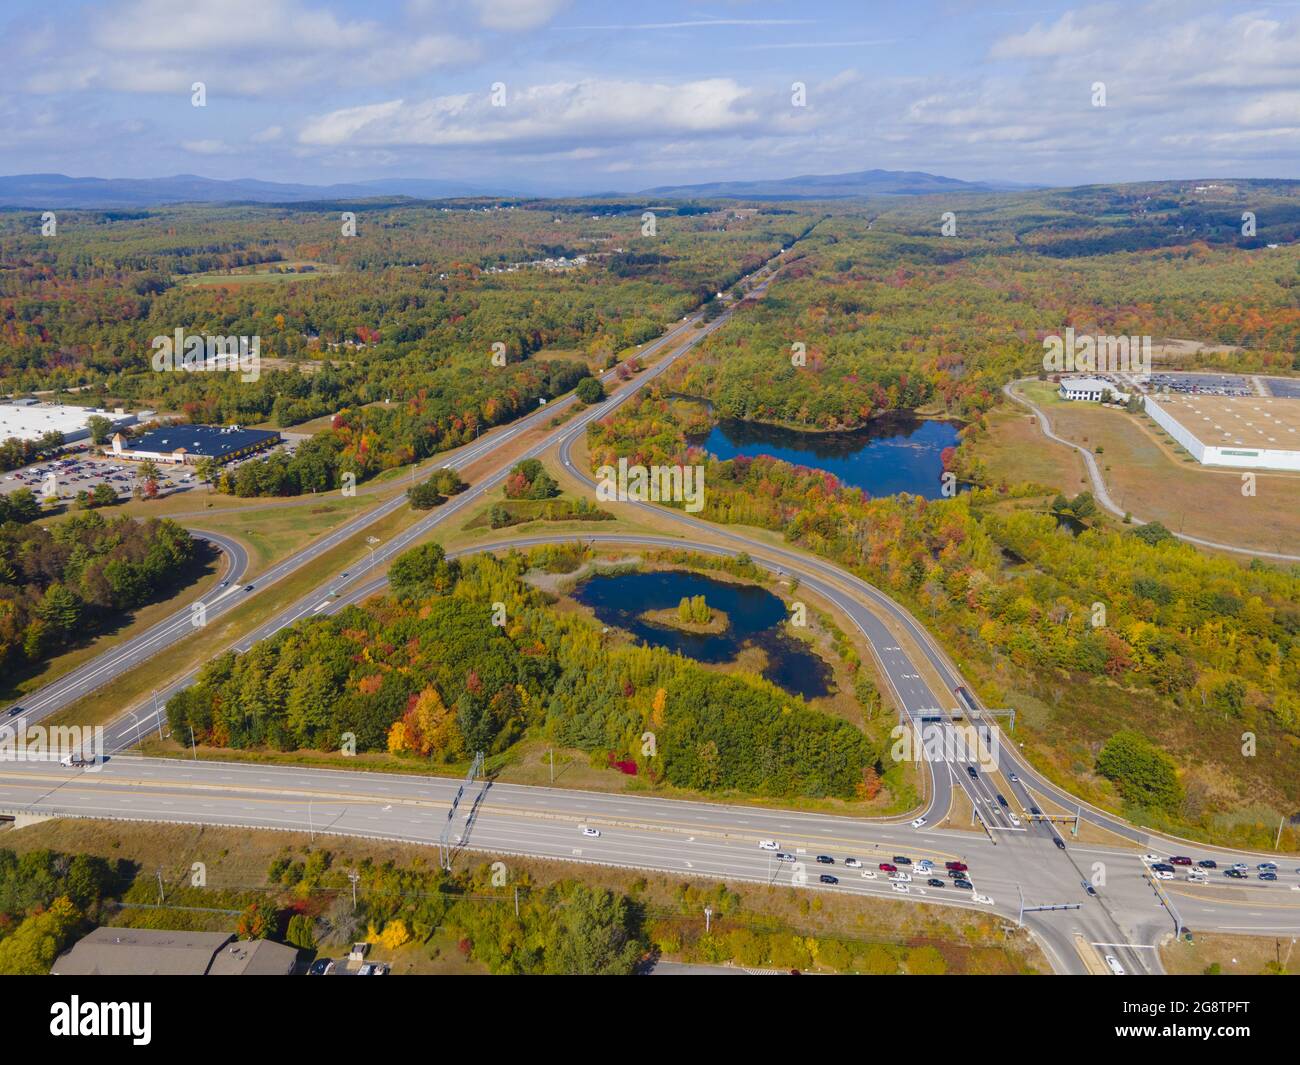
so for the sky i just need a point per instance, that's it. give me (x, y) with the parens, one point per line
(571, 96)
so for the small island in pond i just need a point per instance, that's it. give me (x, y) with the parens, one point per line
(693, 614)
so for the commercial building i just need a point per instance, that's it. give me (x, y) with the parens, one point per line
(1255, 432)
(155, 952)
(189, 443)
(28, 419)
(1089, 388)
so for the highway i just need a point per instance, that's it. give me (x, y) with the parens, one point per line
(1010, 863)
(231, 594)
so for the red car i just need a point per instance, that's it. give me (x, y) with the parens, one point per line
(885, 867)
(958, 866)
(1179, 859)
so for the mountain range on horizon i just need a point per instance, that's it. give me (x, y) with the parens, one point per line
(62, 191)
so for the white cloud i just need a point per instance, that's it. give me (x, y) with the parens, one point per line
(1065, 37)
(612, 110)
(516, 15)
(238, 47)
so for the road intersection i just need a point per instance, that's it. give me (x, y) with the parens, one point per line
(1013, 864)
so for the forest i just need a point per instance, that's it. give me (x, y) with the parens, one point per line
(63, 583)
(1189, 649)
(888, 313)
(424, 674)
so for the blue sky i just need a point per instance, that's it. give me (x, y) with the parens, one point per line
(621, 96)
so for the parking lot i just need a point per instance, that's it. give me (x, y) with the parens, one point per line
(79, 470)
(1200, 384)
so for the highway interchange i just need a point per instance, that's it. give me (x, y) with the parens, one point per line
(1011, 864)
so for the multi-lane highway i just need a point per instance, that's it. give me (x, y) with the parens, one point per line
(1012, 863)
(231, 593)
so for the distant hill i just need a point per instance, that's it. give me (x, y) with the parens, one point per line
(59, 190)
(832, 186)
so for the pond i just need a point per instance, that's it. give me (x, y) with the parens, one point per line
(895, 453)
(755, 617)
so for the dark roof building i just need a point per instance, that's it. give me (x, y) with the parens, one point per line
(154, 952)
(186, 443)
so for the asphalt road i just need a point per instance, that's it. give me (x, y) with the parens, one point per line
(182, 625)
(1007, 861)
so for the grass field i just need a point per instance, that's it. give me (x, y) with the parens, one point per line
(1233, 955)
(262, 273)
(1149, 475)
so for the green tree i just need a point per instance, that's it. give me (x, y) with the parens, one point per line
(590, 390)
(99, 427)
(422, 571)
(1144, 775)
(596, 935)
(301, 932)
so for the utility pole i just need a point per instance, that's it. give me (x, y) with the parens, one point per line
(193, 747)
(1020, 921)
(516, 901)
(160, 886)
(708, 919)
(1277, 844)
(354, 876)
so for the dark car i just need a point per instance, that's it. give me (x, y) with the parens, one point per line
(972, 771)
(1267, 867)
(902, 859)
(14, 711)
(1162, 867)
(1268, 876)
(936, 882)
(1002, 801)
(955, 865)
(825, 859)
(1089, 888)
(885, 867)
(1060, 843)
(1236, 874)
(321, 967)
(963, 884)
(1181, 859)
(1208, 863)
(248, 587)
(1036, 811)
(826, 878)
(958, 874)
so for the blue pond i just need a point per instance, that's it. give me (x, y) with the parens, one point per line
(896, 453)
(755, 615)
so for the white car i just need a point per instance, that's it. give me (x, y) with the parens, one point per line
(902, 889)
(983, 900)
(852, 863)
(768, 845)
(1152, 858)
(1014, 820)
(901, 878)
(919, 823)
(587, 830)
(1160, 874)
(1113, 963)
(1197, 876)
(869, 874)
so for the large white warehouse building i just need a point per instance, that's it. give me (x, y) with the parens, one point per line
(1251, 432)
